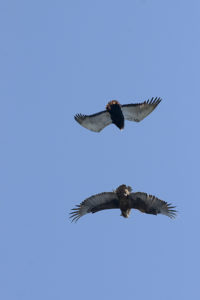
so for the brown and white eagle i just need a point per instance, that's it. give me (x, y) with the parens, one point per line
(123, 199)
(116, 113)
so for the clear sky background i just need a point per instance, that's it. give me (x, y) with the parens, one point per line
(59, 58)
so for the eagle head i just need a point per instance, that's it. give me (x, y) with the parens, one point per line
(123, 190)
(111, 104)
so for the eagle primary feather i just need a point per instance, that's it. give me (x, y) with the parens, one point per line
(123, 199)
(116, 113)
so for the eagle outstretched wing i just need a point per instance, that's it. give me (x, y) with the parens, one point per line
(95, 122)
(137, 112)
(151, 205)
(94, 204)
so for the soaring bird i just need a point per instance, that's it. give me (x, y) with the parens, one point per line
(116, 113)
(123, 199)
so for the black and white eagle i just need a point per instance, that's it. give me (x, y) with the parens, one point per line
(123, 199)
(116, 113)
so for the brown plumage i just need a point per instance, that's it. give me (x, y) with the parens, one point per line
(116, 113)
(123, 199)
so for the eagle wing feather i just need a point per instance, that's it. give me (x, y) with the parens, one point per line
(95, 122)
(95, 203)
(151, 205)
(138, 111)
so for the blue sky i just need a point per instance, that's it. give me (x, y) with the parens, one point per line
(59, 58)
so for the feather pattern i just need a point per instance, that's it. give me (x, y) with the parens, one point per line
(138, 111)
(107, 200)
(95, 122)
(151, 205)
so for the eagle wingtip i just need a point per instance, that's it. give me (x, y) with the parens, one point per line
(78, 117)
(171, 211)
(154, 101)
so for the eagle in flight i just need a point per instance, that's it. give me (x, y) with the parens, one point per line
(116, 113)
(123, 199)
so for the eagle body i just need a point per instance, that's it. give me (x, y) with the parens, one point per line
(122, 198)
(116, 113)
